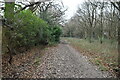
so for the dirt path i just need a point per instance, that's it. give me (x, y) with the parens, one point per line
(64, 61)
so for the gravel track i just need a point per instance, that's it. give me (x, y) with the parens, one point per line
(64, 61)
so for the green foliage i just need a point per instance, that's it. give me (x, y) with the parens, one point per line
(29, 30)
(9, 12)
(56, 31)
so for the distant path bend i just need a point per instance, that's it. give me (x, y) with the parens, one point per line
(65, 62)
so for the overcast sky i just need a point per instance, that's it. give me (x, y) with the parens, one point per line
(72, 6)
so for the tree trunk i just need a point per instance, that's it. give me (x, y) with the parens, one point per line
(9, 16)
(119, 43)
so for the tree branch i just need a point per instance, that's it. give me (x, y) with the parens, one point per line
(115, 5)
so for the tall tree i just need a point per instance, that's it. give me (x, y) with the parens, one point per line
(9, 22)
(117, 6)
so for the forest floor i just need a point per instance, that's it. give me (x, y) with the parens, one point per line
(60, 61)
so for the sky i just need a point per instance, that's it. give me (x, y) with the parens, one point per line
(72, 6)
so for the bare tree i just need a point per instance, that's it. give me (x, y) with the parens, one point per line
(117, 6)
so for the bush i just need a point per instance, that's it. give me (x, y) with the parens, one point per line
(29, 30)
(56, 32)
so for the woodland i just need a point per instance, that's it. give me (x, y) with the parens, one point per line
(94, 29)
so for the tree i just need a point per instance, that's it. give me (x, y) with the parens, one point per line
(51, 12)
(117, 6)
(22, 25)
(96, 20)
(9, 22)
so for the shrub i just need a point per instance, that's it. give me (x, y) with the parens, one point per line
(30, 30)
(56, 31)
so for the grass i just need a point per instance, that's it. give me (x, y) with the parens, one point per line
(104, 55)
(37, 61)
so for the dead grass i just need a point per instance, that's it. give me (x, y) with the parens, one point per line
(104, 55)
